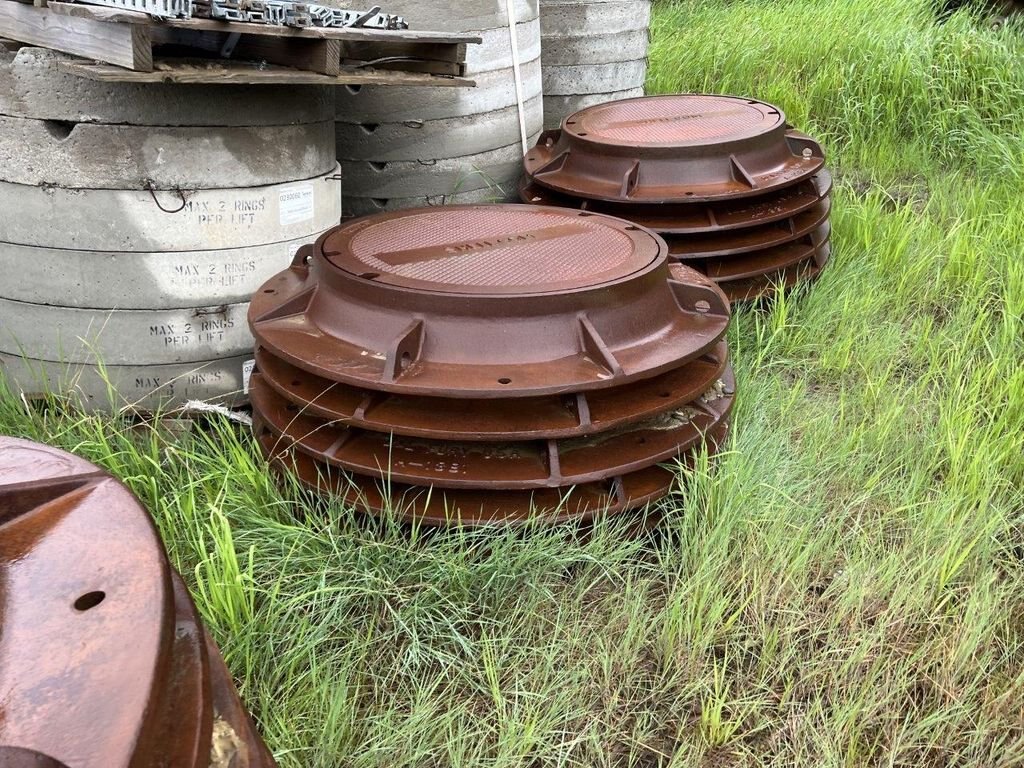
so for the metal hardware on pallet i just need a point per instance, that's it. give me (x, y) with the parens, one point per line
(295, 14)
(158, 9)
(324, 16)
(284, 13)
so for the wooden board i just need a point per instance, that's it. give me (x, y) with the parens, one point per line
(315, 54)
(436, 58)
(101, 13)
(201, 71)
(323, 56)
(126, 45)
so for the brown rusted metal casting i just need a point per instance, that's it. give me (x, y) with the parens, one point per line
(532, 418)
(751, 288)
(673, 149)
(513, 359)
(804, 227)
(103, 659)
(509, 465)
(695, 218)
(745, 265)
(431, 506)
(492, 301)
(736, 192)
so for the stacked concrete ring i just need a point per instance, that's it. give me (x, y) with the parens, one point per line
(147, 217)
(410, 147)
(594, 51)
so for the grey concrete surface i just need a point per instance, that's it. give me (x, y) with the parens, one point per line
(146, 388)
(118, 280)
(123, 337)
(32, 85)
(137, 220)
(90, 156)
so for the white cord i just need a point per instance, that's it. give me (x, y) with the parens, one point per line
(200, 406)
(514, 38)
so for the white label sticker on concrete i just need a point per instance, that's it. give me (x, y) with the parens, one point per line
(247, 367)
(296, 204)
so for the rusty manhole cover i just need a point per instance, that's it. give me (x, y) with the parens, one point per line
(761, 286)
(431, 506)
(676, 148)
(775, 258)
(694, 218)
(531, 418)
(104, 661)
(507, 465)
(492, 250)
(488, 364)
(545, 301)
(709, 246)
(737, 193)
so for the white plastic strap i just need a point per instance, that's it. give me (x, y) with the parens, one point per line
(514, 38)
(201, 406)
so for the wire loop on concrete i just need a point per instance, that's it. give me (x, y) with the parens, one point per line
(152, 191)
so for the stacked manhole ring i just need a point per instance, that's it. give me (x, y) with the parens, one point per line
(105, 659)
(735, 191)
(489, 364)
(137, 221)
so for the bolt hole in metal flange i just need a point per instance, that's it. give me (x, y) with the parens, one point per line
(702, 306)
(296, 383)
(89, 600)
(270, 290)
(405, 361)
(504, 380)
(133, 681)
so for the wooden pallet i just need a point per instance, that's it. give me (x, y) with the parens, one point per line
(144, 49)
(211, 72)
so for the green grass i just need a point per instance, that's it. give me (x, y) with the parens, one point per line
(846, 590)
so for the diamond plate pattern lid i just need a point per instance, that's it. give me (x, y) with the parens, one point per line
(674, 121)
(498, 301)
(490, 365)
(492, 250)
(674, 148)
